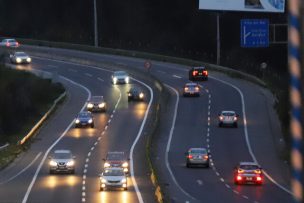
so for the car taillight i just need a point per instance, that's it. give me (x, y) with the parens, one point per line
(258, 171)
(190, 156)
(240, 171)
(235, 118)
(197, 88)
(221, 118)
(206, 157)
(194, 73)
(259, 178)
(239, 178)
(17, 43)
(205, 72)
(7, 44)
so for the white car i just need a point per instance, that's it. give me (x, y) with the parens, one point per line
(20, 57)
(9, 43)
(113, 178)
(120, 77)
(228, 118)
(62, 161)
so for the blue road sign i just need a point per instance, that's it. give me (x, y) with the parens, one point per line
(254, 33)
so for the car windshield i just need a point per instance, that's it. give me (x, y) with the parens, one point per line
(62, 155)
(118, 156)
(120, 73)
(114, 172)
(96, 99)
(249, 167)
(228, 114)
(84, 115)
(198, 151)
(191, 85)
(11, 41)
(20, 54)
(199, 69)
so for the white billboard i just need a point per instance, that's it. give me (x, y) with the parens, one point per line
(244, 5)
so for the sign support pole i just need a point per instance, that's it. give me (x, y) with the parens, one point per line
(218, 39)
(95, 25)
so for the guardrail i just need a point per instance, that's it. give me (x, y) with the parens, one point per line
(40, 122)
(4, 146)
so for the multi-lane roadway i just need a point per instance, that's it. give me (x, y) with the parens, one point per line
(186, 122)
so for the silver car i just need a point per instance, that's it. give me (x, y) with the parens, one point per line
(113, 178)
(191, 89)
(120, 77)
(228, 118)
(198, 157)
(20, 57)
(62, 161)
(9, 43)
(96, 103)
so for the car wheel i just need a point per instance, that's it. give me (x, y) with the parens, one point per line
(73, 171)
(101, 189)
(76, 126)
(207, 165)
(187, 165)
(125, 188)
(220, 124)
(92, 125)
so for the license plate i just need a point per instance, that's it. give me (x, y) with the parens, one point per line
(248, 178)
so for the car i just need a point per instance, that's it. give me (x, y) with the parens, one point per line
(191, 89)
(120, 77)
(62, 161)
(96, 104)
(228, 118)
(117, 159)
(9, 43)
(248, 172)
(197, 157)
(20, 57)
(84, 119)
(136, 94)
(198, 73)
(113, 177)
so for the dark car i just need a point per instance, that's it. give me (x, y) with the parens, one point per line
(248, 173)
(20, 58)
(117, 159)
(198, 74)
(136, 94)
(96, 103)
(84, 119)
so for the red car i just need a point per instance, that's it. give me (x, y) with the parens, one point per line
(248, 173)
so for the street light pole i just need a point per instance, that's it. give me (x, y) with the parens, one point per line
(95, 25)
(218, 40)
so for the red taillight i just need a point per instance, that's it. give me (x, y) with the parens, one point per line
(17, 43)
(7, 44)
(259, 178)
(221, 118)
(190, 156)
(235, 118)
(239, 178)
(205, 72)
(206, 157)
(194, 73)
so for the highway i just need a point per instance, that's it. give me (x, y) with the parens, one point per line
(186, 122)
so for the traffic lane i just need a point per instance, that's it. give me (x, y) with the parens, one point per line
(226, 157)
(47, 135)
(118, 137)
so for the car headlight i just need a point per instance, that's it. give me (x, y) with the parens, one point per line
(141, 95)
(127, 79)
(77, 121)
(114, 80)
(103, 180)
(106, 165)
(90, 121)
(124, 180)
(70, 163)
(53, 163)
(18, 60)
(28, 59)
(90, 105)
(101, 105)
(125, 165)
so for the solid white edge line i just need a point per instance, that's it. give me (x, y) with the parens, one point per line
(139, 196)
(23, 170)
(55, 143)
(246, 134)
(169, 143)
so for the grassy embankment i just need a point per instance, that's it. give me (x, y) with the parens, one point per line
(25, 98)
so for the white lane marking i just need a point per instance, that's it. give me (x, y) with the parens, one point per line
(244, 196)
(85, 171)
(89, 154)
(246, 134)
(86, 165)
(72, 70)
(92, 148)
(83, 187)
(169, 144)
(23, 170)
(83, 194)
(161, 71)
(56, 142)
(227, 186)
(87, 160)
(236, 192)
(95, 143)
(200, 182)
(83, 200)
(109, 121)
(176, 76)
(222, 179)
(217, 173)
(52, 66)
(88, 74)
(100, 79)
(140, 199)
(84, 177)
